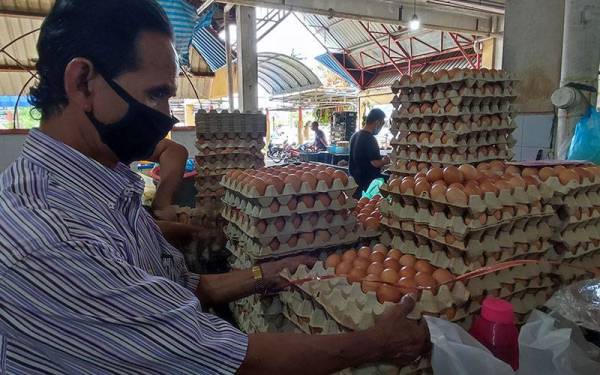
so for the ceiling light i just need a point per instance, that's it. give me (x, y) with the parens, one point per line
(415, 23)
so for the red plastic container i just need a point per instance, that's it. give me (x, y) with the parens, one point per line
(496, 330)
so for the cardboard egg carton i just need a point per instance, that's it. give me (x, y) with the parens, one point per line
(353, 308)
(583, 249)
(249, 224)
(572, 237)
(458, 78)
(222, 170)
(450, 156)
(231, 161)
(464, 221)
(440, 104)
(452, 126)
(229, 151)
(209, 184)
(502, 108)
(214, 122)
(463, 94)
(461, 142)
(252, 320)
(264, 208)
(459, 263)
(475, 204)
(210, 143)
(308, 316)
(289, 191)
(259, 251)
(583, 267)
(477, 243)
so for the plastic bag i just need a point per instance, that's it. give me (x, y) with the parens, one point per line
(585, 144)
(580, 303)
(373, 188)
(548, 345)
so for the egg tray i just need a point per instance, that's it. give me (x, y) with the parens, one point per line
(400, 168)
(356, 310)
(455, 105)
(468, 77)
(258, 251)
(476, 204)
(569, 204)
(251, 319)
(254, 208)
(457, 128)
(233, 161)
(208, 184)
(205, 172)
(502, 109)
(459, 264)
(491, 241)
(571, 238)
(288, 190)
(472, 155)
(229, 151)
(573, 223)
(579, 268)
(236, 143)
(461, 142)
(364, 233)
(248, 225)
(455, 96)
(457, 225)
(562, 253)
(553, 185)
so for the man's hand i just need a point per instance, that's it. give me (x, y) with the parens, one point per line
(167, 213)
(271, 270)
(386, 160)
(178, 234)
(401, 340)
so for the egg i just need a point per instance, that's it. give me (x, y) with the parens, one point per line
(364, 252)
(259, 184)
(292, 204)
(380, 247)
(349, 255)
(468, 171)
(438, 192)
(278, 184)
(434, 174)
(388, 293)
(329, 216)
(425, 280)
(419, 175)
(308, 201)
(322, 236)
(483, 167)
(293, 241)
(488, 187)
(407, 260)
(377, 256)
(449, 238)
(294, 181)
(274, 245)
(370, 283)
(407, 285)
(375, 268)
(361, 263)
(392, 264)
(310, 180)
(343, 177)
(471, 189)
(296, 221)
(422, 188)
(261, 226)
(407, 271)
(308, 237)
(452, 175)
(394, 254)
(313, 219)
(372, 223)
(394, 184)
(423, 266)
(274, 206)
(517, 181)
(407, 185)
(326, 178)
(343, 268)
(389, 275)
(433, 234)
(442, 276)
(456, 196)
(279, 223)
(546, 172)
(333, 260)
(504, 185)
(567, 175)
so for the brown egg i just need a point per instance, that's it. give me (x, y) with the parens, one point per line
(567, 175)
(517, 181)
(452, 175)
(323, 236)
(296, 221)
(422, 188)
(313, 219)
(407, 260)
(375, 268)
(377, 256)
(292, 204)
(372, 223)
(425, 280)
(356, 275)
(308, 237)
(450, 238)
(294, 181)
(457, 185)
(279, 223)
(341, 199)
(394, 254)
(325, 199)
(438, 192)
(546, 172)
(434, 174)
(261, 226)
(326, 178)
(333, 260)
(370, 283)
(407, 185)
(389, 275)
(293, 241)
(343, 177)
(468, 171)
(408, 271)
(488, 187)
(278, 184)
(380, 247)
(504, 185)
(308, 201)
(483, 167)
(456, 196)
(309, 179)
(328, 216)
(407, 285)
(392, 263)
(423, 266)
(361, 263)
(343, 268)
(472, 189)
(529, 172)
(364, 252)
(349, 255)
(274, 245)
(274, 207)
(388, 293)
(442, 276)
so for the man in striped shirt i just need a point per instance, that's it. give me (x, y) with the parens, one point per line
(88, 285)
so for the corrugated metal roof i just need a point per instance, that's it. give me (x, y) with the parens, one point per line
(210, 47)
(332, 64)
(27, 6)
(24, 50)
(280, 74)
(182, 17)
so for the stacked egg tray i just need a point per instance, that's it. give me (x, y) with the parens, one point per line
(284, 218)
(256, 314)
(451, 117)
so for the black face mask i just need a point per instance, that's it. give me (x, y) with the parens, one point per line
(135, 136)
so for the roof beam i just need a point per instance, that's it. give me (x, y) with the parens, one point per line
(383, 12)
(21, 14)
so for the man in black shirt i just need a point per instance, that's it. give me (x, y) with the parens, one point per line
(320, 140)
(365, 159)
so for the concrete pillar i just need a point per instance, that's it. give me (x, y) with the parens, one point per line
(229, 59)
(533, 31)
(190, 119)
(247, 60)
(580, 61)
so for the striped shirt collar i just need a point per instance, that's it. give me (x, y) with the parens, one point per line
(79, 171)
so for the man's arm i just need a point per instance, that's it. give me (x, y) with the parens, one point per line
(375, 155)
(172, 158)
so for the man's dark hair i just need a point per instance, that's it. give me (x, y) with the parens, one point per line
(375, 114)
(102, 31)
(315, 124)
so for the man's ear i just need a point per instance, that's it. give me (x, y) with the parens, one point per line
(78, 81)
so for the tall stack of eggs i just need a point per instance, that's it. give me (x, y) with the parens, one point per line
(465, 218)
(451, 117)
(277, 211)
(368, 216)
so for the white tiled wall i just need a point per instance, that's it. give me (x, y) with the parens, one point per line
(533, 133)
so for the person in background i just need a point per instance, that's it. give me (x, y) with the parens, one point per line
(171, 157)
(320, 139)
(88, 284)
(365, 161)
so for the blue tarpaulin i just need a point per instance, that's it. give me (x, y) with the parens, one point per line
(183, 17)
